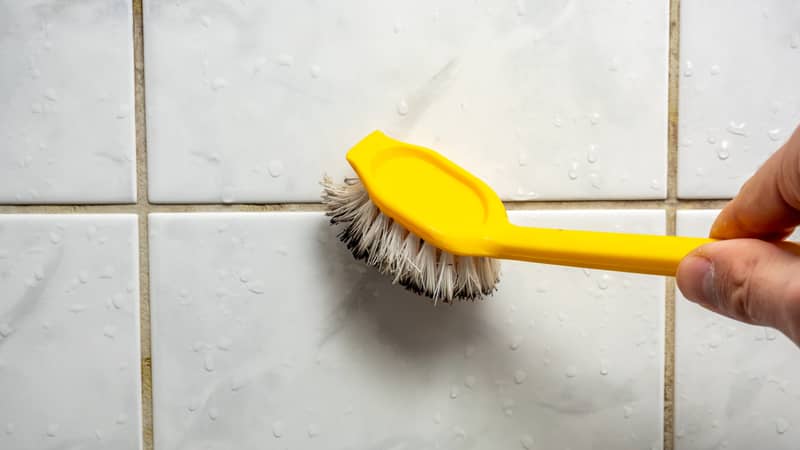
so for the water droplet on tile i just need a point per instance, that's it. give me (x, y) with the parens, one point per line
(109, 331)
(774, 134)
(688, 69)
(591, 154)
(227, 194)
(83, 276)
(557, 122)
(123, 111)
(275, 168)
(219, 83)
(256, 287)
(714, 341)
(122, 419)
(77, 308)
(278, 429)
(654, 184)
(781, 425)
(516, 341)
(437, 418)
(52, 429)
(208, 362)
(715, 424)
(737, 128)
(459, 432)
(315, 71)
(522, 158)
(714, 70)
(722, 151)
(469, 350)
(794, 40)
(194, 404)
(285, 60)
(38, 274)
(213, 413)
(572, 173)
(5, 330)
(206, 21)
(55, 238)
(562, 317)
(603, 367)
(596, 182)
(224, 343)
(10, 428)
(627, 411)
(402, 107)
(470, 381)
(770, 334)
(521, 8)
(520, 376)
(508, 407)
(613, 66)
(454, 391)
(313, 430)
(237, 383)
(571, 371)
(36, 108)
(602, 282)
(527, 442)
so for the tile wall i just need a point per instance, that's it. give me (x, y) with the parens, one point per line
(168, 279)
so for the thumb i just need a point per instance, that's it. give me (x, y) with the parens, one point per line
(745, 279)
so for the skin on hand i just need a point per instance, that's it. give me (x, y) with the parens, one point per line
(745, 277)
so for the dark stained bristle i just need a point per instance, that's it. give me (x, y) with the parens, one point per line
(381, 242)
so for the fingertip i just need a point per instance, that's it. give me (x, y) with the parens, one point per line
(695, 279)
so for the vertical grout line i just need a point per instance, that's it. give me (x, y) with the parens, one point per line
(142, 209)
(671, 207)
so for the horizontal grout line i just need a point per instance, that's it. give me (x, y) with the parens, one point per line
(300, 207)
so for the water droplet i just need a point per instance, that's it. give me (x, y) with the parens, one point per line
(557, 122)
(521, 8)
(10, 428)
(275, 168)
(520, 376)
(722, 151)
(470, 381)
(595, 180)
(774, 134)
(602, 282)
(285, 60)
(737, 128)
(213, 413)
(256, 287)
(781, 425)
(218, 83)
(714, 70)
(55, 238)
(52, 429)
(613, 66)
(83, 276)
(402, 107)
(315, 71)
(50, 94)
(237, 383)
(603, 367)
(36, 108)
(654, 184)
(77, 308)
(770, 334)
(206, 21)
(208, 362)
(715, 424)
(526, 441)
(224, 343)
(571, 371)
(508, 407)
(688, 69)
(516, 341)
(459, 432)
(454, 391)
(794, 40)
(5, 330)
(227, 194)
(109, 331)
(573, 171)
(313, 430)
(194, 404)
(522, 158)
(469, 350)
(437, 418)
(627, 411)
(591, 154)
(122, 419)
(278, 429)
(123, 111)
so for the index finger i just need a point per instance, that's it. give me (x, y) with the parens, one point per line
(768, 205)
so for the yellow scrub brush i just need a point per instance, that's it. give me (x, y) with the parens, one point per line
(437, 229)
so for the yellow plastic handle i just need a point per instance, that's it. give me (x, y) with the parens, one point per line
(624, 252)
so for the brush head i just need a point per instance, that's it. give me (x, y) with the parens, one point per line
(385, 244)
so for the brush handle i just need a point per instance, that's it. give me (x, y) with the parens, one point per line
(622, 252)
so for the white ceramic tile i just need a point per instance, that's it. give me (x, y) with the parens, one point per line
(254, 101)
(736, 384)
(267, 334)
(69, 332)
(739, 102)
(66, 96)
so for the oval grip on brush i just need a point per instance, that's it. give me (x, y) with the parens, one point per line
(622, 252)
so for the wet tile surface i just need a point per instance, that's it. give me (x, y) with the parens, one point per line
(738, 97)
(69, 332)
(266, 333)
(254, 102)
(66, 96)
(735, 384)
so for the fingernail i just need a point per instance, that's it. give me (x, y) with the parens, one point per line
(696, 280)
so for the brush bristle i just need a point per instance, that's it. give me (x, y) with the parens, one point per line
(413, 263)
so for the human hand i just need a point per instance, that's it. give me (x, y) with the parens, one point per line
(746, 278)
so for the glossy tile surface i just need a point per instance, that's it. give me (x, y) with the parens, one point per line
(266, 334)
(69, 332)
(255, 101)
(736, 384)
(739, 101)
(66, 96)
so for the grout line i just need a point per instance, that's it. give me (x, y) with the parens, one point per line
(143, 208)
(672, 204)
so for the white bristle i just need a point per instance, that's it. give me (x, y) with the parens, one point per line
(410, 261)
